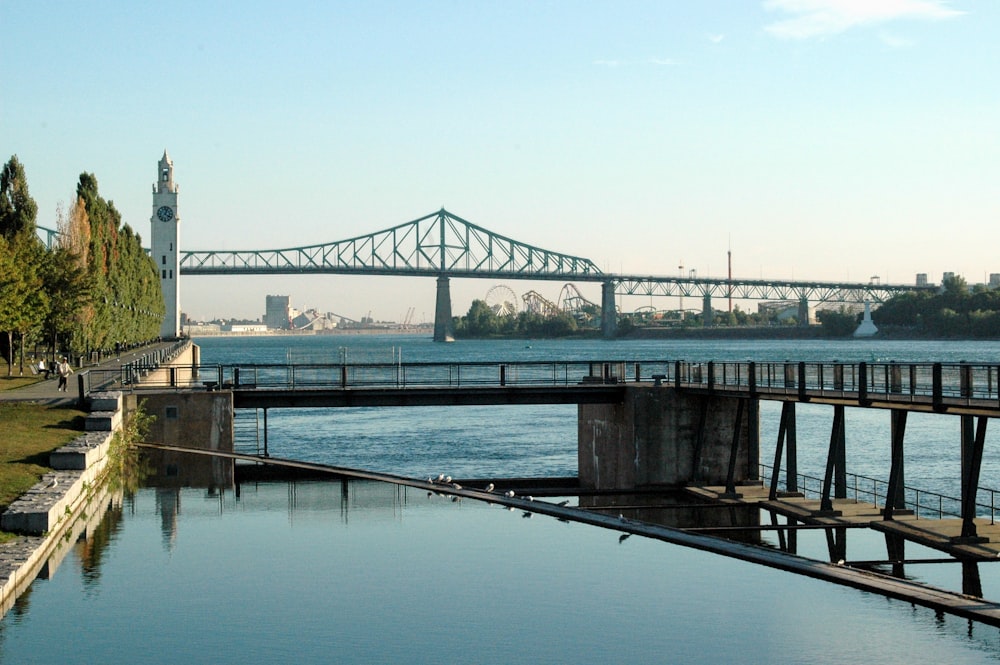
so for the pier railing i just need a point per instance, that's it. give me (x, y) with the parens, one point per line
(923, 503)
(937, 384)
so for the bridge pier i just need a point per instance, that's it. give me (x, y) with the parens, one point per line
(804, 312)
(609, 313)
(444, 330)
(707, 313)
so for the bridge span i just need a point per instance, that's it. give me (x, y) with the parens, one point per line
(444, 246)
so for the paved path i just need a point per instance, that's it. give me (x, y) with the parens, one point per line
(46, 391)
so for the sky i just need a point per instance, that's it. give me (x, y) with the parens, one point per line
(826, 140)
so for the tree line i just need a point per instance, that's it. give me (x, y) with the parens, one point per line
(954, 311)
(94, 289)
(482, 321)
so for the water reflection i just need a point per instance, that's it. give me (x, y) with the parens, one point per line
(370, 572)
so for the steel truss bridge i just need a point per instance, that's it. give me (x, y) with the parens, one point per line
(443, 245)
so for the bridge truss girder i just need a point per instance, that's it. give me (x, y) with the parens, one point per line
(759, 289)
(433, 245)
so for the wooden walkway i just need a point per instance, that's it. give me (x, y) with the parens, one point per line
(938, 534)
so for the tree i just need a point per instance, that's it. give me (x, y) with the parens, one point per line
(839, 323)
(22, 300)
(18, 211)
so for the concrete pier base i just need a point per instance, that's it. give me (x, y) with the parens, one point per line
(659, 436)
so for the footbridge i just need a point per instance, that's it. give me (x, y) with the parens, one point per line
(444, 246)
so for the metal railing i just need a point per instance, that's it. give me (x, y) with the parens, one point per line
(938, 384)
(864, 489)
(384, 375)
(130, 373)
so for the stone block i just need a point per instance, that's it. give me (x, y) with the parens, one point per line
(82, 452)
(106, 401)
(103, 421)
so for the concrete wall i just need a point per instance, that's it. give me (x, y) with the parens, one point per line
(194, 420)
(650, 440)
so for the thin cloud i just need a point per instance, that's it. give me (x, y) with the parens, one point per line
(894, 41)
(659, 62)
(822, 18)
(715, 39)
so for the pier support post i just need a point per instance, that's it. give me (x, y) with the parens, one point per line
(609, 313)
(443, 326)
(894, 498)
(786, 435)
(834, 464)
(972, 460)
(707, 313)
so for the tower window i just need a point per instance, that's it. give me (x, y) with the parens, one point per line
(171, 247)
(165, 172)
(164, 274)
(164, 259)
(171, 274)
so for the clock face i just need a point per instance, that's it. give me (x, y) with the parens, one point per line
(165, 213)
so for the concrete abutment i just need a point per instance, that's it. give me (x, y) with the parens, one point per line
(660, 436)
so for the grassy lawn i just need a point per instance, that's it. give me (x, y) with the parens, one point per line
(12, 382)
(29, 432)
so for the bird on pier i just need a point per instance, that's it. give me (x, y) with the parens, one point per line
(440, 478)
(622, 538)
(55, 481)
(509, 494)
(456, 486)
(489, 488)
(447, 479)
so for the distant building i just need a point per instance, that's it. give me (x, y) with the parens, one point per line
(994, 280)
(248, 328)
(921, 279)
(277, 314)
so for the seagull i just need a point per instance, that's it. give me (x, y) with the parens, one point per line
(531, 498)
(456, 486)
(622, 538)
(526, 514)
(509, 494)
(447, 479)
(440, 477)
(55, 481)
(489, 488)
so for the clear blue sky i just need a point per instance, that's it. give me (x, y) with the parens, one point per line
(819, 139)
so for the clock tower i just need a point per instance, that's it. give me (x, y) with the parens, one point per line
(166, 225)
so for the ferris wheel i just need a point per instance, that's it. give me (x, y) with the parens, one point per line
(502, 300)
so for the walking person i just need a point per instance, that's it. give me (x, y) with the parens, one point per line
(64, 371)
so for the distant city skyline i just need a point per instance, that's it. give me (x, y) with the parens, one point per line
(830, 140)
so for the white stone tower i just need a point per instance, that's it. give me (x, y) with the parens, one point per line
(165, 238)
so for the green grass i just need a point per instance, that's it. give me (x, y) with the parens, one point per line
(29, 432)
(12, 382)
